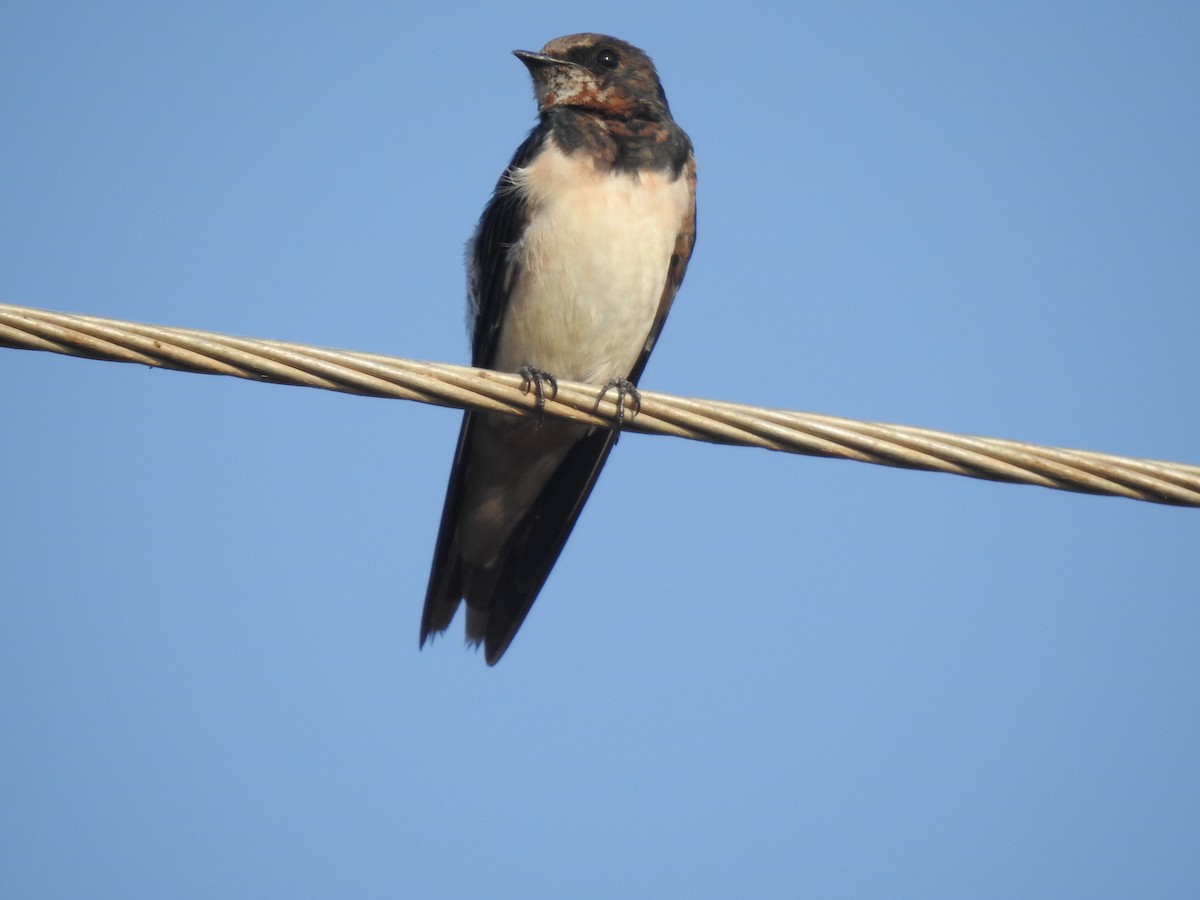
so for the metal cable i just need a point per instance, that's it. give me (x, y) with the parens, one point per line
(704, 420)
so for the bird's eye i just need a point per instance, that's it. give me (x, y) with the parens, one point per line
(608, 58)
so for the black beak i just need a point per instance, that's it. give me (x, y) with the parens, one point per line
(534, 61)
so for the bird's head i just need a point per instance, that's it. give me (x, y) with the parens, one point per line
(597, 73)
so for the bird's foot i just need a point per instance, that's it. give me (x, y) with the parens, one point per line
(625, 389)
(537, 379)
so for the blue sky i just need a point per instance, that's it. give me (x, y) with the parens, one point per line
(750, 673)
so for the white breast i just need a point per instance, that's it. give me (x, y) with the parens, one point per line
(592, 262)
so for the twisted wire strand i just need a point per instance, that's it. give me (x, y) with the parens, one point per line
(713, 421)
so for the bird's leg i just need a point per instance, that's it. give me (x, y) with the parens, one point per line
(533, 377)
(624, 388)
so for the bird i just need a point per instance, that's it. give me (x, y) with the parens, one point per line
(572, 269)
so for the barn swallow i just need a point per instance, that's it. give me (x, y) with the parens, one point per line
(571, 272)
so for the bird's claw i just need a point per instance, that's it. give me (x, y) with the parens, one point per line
(537, 379)
(624, 388)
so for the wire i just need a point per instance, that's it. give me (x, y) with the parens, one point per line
(703, 420)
